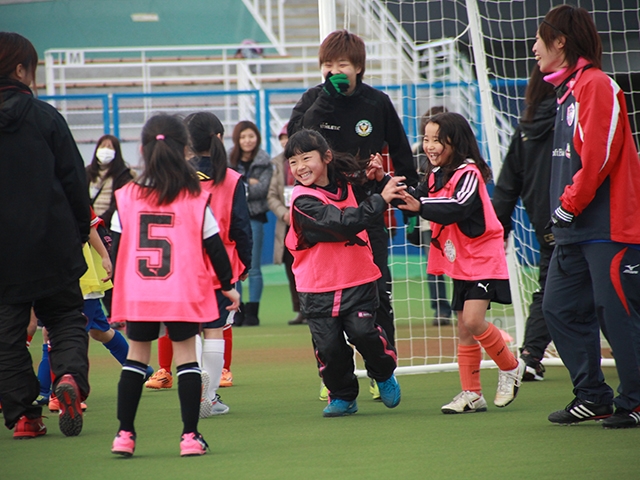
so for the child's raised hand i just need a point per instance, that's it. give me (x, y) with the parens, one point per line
(234, 296)
(411, 203)
(374, 168)
(394, 189)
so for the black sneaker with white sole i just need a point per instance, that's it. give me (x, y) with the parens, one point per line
(580, 411)
(534, 371)
(622, 419)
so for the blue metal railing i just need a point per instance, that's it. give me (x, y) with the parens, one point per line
(263, 102)
(94, 96)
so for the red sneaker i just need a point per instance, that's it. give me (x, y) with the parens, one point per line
(29, 428)
(68, 395)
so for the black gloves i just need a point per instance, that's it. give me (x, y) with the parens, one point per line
(561, 218)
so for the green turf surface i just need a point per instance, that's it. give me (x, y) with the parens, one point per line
(275, 429)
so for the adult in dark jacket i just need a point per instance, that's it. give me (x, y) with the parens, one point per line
(358, 119)
(44, 220)
(254, 164)
(526, 174)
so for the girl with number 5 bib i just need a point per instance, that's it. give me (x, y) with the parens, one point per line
(165, 241)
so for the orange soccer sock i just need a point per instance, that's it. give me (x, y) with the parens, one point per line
(493, 343)
(227, 335)
(165, 352)
(469, 358)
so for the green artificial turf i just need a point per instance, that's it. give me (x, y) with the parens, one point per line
(275, 429)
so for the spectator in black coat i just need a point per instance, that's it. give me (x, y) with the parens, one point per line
(44, 220)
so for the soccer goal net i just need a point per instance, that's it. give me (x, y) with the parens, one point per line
(473, 57)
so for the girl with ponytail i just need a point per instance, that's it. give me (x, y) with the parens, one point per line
(229, 205)
(165, 241)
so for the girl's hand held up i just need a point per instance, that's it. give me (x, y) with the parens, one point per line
(411, 204)
(394, 189)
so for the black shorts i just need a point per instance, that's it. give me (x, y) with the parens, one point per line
(223, 303)
(149, 331)
(493, 290)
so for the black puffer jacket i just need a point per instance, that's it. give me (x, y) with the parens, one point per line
(44, 204)
(526, 170)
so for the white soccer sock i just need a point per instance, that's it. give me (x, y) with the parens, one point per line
(199, 350)
(212, 362)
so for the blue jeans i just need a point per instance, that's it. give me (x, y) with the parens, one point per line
(255, 272)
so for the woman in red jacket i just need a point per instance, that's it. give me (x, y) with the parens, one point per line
(593, 280)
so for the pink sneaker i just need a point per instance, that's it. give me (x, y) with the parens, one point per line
(68, 395)
(124, 444)
(192, 444)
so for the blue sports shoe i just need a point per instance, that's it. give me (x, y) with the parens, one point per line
(390, 392)
(340, 408)
(147, 375)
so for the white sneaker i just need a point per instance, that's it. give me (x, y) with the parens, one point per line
(508, 384)
(466, 402)
(217, 407)
(205, 403)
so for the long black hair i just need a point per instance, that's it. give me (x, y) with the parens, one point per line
(537, 91)
(116, 165)
(204, 128)
(342, 169)
(166, 172)
(455, 131)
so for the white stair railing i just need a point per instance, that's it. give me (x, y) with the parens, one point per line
(263, 13)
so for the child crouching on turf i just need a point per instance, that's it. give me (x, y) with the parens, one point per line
(466, 244)
(165, 240)
(334, 269)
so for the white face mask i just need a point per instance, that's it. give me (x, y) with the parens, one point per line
(105, 155)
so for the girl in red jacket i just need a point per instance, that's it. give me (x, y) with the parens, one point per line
(593, 280)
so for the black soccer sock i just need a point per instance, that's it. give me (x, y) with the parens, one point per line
(129, 392)
(189, 392)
